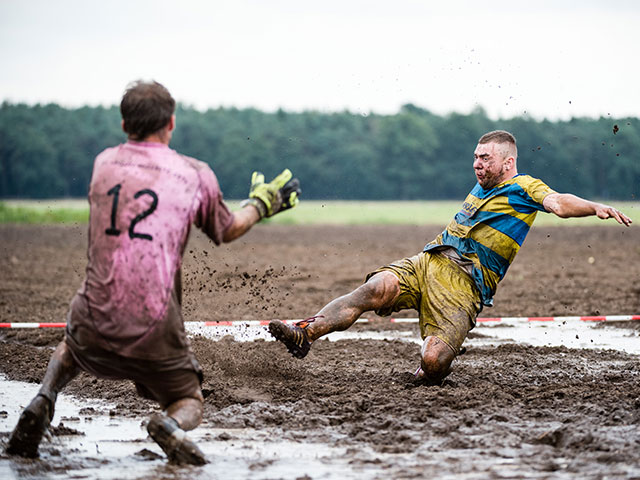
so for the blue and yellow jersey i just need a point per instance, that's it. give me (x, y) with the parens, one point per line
(491, 227)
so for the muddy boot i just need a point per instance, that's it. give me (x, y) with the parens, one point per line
(32, 425)
(174, 441)
(294, 336)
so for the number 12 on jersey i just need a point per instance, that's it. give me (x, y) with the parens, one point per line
(112, 230)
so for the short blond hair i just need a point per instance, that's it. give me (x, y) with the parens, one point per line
(498, 136)
(501, 136)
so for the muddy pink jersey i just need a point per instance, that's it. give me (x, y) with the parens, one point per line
(143, 199)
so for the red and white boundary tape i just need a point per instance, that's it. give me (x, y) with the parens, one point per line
(488, 320)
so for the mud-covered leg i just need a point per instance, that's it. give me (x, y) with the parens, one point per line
(380, 291)
(168, 431)
(36, 417)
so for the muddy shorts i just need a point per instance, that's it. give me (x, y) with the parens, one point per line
(444, 295)
(164, 381)
(152, 380)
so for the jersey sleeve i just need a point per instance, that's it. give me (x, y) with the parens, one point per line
(538, 190)
(534, 192)
(213, 216)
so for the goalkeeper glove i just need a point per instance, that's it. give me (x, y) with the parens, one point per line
(278, 195)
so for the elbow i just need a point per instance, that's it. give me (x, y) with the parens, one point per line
(229, 235)
(561, 212)
(234, 229)
(558, 207)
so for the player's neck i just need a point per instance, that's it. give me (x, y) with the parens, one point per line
(509, 175)
(162, 136)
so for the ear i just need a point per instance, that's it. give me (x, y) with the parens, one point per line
(172, 123)
(122, 125)
(509, 163)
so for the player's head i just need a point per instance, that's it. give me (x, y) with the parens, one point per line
(505, 141)
(146, 108)
(495, 158)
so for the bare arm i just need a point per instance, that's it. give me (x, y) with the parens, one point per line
(243, 220)
(566, 205)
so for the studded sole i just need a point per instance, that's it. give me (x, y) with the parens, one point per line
(297, 345)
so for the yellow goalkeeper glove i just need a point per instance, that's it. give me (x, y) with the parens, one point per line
(273, 197)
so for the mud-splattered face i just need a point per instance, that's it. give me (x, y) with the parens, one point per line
(491, 164)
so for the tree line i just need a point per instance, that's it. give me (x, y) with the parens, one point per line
(47, 151)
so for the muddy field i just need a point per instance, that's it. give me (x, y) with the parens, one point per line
(511, 411)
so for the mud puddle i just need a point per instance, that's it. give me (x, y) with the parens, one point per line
(570, 334)
(91, 443)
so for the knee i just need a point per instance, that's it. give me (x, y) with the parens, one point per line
(436, 359)
(435, 367)
(380, 289)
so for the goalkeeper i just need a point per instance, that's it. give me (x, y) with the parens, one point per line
(125, 322)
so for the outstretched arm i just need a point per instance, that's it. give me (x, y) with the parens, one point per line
(566, 205)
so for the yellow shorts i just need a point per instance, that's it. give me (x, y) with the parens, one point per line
(444, 295)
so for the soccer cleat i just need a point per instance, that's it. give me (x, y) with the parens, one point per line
(174, 441)
(32, 424)
(294, 336)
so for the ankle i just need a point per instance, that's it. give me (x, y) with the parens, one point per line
(307, 325)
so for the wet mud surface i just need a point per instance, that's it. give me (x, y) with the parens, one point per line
(510, 411)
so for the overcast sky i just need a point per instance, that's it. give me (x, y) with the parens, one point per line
(550, 59)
